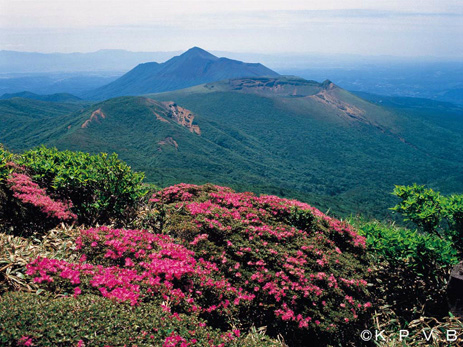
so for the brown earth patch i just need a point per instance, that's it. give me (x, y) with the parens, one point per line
(182, 116)
(343, 109)
(95, 117)
(168, 141)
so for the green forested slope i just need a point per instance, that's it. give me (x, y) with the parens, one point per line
(284, 136)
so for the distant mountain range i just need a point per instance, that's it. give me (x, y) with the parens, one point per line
(281, 135)
(195, 66)
(103, 60)
(59, 97)
(78, 73)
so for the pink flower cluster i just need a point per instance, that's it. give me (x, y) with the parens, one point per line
(25, 341)
(304, 281)
(181, 192)
(140, 265)
(28, 191)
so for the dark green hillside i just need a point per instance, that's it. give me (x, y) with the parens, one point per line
(158, 138)
(334, 142)
(196, 66)
(285, 136)
(32, 119)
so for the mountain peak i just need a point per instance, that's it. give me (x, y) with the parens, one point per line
(199, 52)
(194, 67)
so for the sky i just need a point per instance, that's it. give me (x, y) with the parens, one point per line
(369, 27)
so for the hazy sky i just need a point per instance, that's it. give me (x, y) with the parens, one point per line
(375, 27)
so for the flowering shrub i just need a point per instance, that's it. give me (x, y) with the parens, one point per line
(305, 270)
(226, 258)
(138, 267)
(16, 252)
(26, 207)
(101, 187)
(89, 320)
(30, 193)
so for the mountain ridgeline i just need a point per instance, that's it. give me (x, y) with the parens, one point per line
(195, 66)
(59, 97)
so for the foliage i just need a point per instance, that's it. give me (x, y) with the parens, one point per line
(5, 158)
(91, 320)
(305, 270)
(101, 188)
(424, 253)
(431, 211)
(453, 207)
(411, 268)
(420, 205)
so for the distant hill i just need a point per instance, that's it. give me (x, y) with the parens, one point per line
(55, 83)
(280, 135)
(59, 97)
(194, 67)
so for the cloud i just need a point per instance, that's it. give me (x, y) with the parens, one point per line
(395, 27)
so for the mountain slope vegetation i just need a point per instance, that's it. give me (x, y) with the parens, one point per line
(286, 136)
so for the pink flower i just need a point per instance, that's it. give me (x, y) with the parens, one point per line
(25, 341)
(77, 291)
(29, 192)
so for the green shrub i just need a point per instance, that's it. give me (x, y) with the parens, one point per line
(453, 207)
(412, 268)
(95, 321)
(101, 187)
(5, 157)
(420, 205)
(432, 212)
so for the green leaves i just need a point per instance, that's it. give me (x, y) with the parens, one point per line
(421, 251)
(5, 158)
(101, 187)
(420, 205)
(432, 212)
(411, 268)
(96, 321)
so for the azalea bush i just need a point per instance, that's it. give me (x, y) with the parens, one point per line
(305, 271)
(101, 187)
(24, 205)
(16, 252)
(231, 259)
(138, 267)
(141, 272)
(90, 320)
(43, 186)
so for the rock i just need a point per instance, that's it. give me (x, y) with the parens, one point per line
(455, 290)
